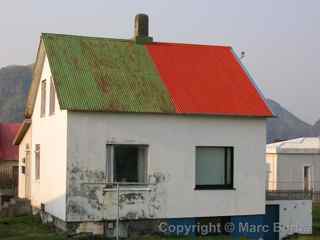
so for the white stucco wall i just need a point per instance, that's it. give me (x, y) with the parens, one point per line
(22, 154)
(51, 133)
(295, 216)
(271, 160)
(171, 163)
(289, 170)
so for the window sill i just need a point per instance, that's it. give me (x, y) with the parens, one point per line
(127, 188)
(214, 187)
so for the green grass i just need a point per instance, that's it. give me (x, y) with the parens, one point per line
(26, 228)
(30, 228)
(316, 219)
(192, 238)
(306, 238)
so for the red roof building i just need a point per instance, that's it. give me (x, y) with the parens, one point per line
(7, 133)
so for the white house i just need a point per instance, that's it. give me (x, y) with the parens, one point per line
(294, 164)
(180, 127)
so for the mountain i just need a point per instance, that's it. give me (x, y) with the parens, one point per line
(286, 125)
(15, 82)
(14, 86)
(316, 128)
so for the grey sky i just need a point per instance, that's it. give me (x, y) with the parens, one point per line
(281, 38)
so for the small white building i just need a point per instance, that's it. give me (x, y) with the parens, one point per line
(294, 164)
(181, 128)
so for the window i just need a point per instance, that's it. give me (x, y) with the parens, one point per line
(52, 98)
(214, 167)
(307, 178)
(37, 163)
(23, 170)
(127, 163)
(43, 98)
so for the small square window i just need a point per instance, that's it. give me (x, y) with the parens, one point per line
(23, 170)
(127, 163)
(214, 167)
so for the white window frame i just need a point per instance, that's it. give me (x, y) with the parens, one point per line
(43, 98)
(110, 163)
(52, 98)
(37, 163)
(225, 186)
(311, 186)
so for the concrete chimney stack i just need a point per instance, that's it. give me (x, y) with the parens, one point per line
(141, 29)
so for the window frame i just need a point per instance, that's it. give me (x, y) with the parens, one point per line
(110, 163)
(37, 159)
(225, 186)
(52, 98)
(43, 98)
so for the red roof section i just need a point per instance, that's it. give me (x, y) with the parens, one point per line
(207, 80)
(7, 134)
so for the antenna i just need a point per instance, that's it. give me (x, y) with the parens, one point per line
(243, 54)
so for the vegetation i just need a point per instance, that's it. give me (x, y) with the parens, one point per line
(30, 228)
(26, 228)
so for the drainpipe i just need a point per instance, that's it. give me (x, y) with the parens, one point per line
(135, 187)
(118, 210)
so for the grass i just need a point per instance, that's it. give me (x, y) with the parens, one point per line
(26, 228)
(190, 238)
(30, 228)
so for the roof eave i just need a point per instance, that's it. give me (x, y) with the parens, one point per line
(22, 132)
(171, 113)
(36, 75)
(253, 82)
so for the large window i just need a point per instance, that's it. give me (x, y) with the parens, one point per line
(214, 167)
(127, 163)
(52, 98)
(43, 98)
(37, 162)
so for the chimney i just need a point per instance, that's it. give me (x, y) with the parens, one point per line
(141, 29)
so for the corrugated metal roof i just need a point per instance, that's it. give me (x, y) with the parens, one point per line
(100, 74)
(207, 79)
(112, 75)
(7, 134)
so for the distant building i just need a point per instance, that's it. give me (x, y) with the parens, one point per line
(294, 164)
(8, 155)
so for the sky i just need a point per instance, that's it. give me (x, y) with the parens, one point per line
(281, 39)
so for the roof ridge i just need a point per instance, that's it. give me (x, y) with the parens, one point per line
(191, 44)
(83, 36)
(131, 40)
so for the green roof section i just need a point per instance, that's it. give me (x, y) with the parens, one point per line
(101, 74)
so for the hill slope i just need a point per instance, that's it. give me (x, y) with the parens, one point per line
(316, 128)
(286, 125)
(15, 82)
(14, 85)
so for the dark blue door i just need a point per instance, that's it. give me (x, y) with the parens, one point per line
(271, 218)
